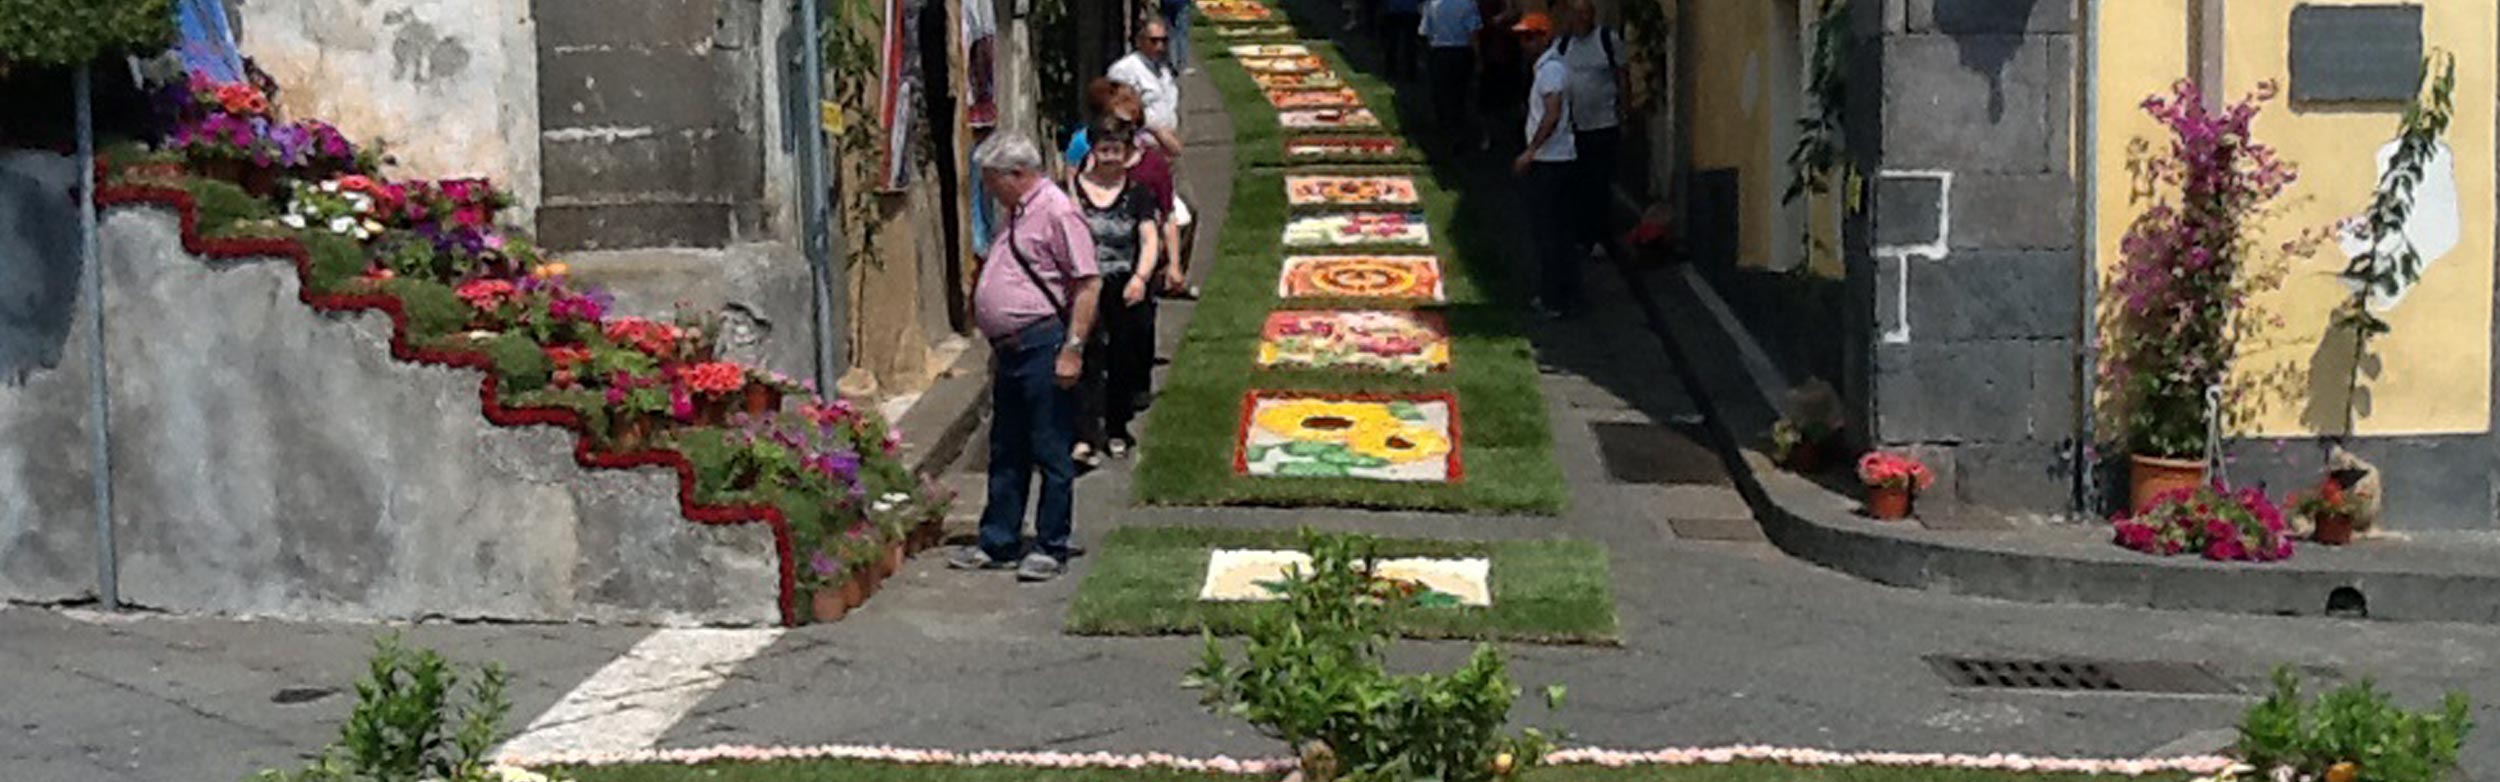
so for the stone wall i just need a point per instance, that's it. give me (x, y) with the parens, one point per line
(1970, 248)
(449, 86)
(270, 460)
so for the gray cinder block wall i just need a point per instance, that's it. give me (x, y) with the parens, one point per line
(1969, 251)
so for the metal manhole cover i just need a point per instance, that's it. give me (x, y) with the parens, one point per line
(2080, 675)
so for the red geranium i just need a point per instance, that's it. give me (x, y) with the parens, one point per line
(716, 378)
(1894, 471)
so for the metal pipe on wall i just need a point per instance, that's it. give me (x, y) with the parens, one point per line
(2087, 169)
(824, 243)
(99, 406)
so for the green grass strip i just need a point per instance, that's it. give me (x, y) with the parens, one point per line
(1145, 581)
(1505, 441)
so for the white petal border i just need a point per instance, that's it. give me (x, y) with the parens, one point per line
(2194, 764)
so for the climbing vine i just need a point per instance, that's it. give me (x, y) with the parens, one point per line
(853, 68)
(1054, 60)
(1646, 31)
(2390, 262)
(1820, 164)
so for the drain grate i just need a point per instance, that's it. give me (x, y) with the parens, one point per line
(2080, 675)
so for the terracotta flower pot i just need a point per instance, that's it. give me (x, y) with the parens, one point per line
(2149, 477)
(893, 562)
(761, 399)
(828, 605)
(2334, 529)
(869, 582)
(854, 591)
(1888, 503)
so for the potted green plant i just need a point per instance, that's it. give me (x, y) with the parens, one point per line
(2180, 298)
(1801, 447)
(1892, 481)
(2331, 510)
(825, 579)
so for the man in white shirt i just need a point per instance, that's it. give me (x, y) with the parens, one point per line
(1550, 164)
(1591, 52)
(1449, 29)
(1149, 69)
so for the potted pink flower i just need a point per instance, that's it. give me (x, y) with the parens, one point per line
(1891, 481)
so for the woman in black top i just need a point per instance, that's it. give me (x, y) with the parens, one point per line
(1126, 220)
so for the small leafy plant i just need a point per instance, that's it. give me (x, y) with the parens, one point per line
(2330, 499)
(1788, 437)
(1314, 675)
(2354, 734)
(417, 718)
(1881, 469)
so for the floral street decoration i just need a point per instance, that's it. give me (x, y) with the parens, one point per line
(1253, 32)
(1316, 148)
(1315, 80)
(1230, 11)
(1293, 99)
(1380, 438)
(1392, 277)
(2225, 525)
(1270, 50)
(1303, 63)
(1328, 119)
(1328, 190)
(1355, 229)
(1394, 341)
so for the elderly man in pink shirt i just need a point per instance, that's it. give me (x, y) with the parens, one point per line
(1035, 300)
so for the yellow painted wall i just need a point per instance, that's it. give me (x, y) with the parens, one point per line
(1733, 116)
(2435, 369)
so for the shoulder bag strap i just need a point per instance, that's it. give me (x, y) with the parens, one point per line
(1016, 249)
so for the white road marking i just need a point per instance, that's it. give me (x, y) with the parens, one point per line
(627, 705)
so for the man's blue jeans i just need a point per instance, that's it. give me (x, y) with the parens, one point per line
(1176, 22)
(1032, 424)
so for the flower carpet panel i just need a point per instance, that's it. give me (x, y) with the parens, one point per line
(1379, 438)
(1252, 32)
(1393, 341)
(1238, 575)
(1393, 277)
(1315, 80)
(1328, 119)
(1305, 63)
(1333, 190)
(1295, 99)
(1319, 148)
(1229, 11)
(1156, 580)
(1270, 50)
(1357, 229)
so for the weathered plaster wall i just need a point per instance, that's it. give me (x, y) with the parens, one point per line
(47, 517)
(269, 460)
(450, 86)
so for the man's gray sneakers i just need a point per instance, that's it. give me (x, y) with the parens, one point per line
(1038, 567)
(973, 558)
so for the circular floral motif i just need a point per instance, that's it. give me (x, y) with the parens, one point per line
(1322, 421)
(1363, 277)
(1401, 444)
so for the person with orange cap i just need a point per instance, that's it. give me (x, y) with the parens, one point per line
(1548, 163)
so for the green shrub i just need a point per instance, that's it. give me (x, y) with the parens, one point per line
(416, 718)
(2357, 724)
(223, 206)
(336, 260)
(44, 33)
(520, 362)
(434, 311)
(1315, 676)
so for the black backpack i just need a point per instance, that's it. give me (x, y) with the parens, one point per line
(1605, 40)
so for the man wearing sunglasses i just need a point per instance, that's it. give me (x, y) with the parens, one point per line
(1149, 70)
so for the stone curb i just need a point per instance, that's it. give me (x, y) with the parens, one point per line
(936, 429)
(2049, 566)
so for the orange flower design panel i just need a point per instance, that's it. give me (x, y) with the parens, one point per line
(1396, 277)
(1327, 190)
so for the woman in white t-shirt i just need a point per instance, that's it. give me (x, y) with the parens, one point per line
(1589, 51)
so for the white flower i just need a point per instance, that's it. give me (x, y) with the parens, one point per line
(373, 226)
(362, 234)
(331, 186)
(293, 220)
(342, 224)
(895, 496)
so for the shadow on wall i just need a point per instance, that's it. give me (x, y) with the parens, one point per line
(38, 261)
(1989, 34)
(2338, 378)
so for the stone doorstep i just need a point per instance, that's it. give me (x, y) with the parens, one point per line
(938, 425)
